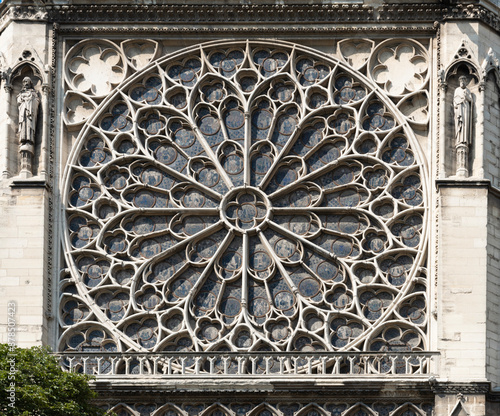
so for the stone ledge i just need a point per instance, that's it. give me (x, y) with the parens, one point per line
(262, 12)
(456, 182)
(29, 183)
(348, 389)
(461, 388)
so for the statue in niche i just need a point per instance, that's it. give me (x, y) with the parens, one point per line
(462, 103)
(27, 101)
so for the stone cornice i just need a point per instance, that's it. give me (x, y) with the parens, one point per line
(243, 14)
(473, 12)
(461, 388)
(29, 183)
(215, 14)
(193, 14)
(246, 30)
(370, 390)
(454, 182)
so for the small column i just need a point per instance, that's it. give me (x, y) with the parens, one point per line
(442, 86)
(45, 130)
(462, 160)
(4, 136)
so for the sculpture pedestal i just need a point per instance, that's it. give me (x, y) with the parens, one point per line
(26, 165)
(462, 160)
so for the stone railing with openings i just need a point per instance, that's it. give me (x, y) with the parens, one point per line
(261, 364)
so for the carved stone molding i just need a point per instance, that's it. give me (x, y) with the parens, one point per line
(461, 388)
(215, 13)
(474, 12)
(372, 391)
(33, 13)
(426, 29)
(270, 406)
(50, 90)
(250, 13)
(412, 11)
(195, 13)
(256, 14)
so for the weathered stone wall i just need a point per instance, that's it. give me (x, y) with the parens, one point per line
(23, 204)
(491, 143)
(22, 263)
(492, 172)
(493, 291)
(462, 282)
(468, 236)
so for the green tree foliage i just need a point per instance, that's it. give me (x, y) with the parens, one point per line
(41, 388)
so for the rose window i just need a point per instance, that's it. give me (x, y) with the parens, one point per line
(245, 197)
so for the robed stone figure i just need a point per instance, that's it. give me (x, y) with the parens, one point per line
(27, 102)
(462, 103)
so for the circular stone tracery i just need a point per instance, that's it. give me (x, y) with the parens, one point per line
(174, 212)
(245, 208)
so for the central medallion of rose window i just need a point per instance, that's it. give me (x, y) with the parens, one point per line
(246, 197)
(245, 208)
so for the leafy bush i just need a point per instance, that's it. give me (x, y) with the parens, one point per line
(33, 384)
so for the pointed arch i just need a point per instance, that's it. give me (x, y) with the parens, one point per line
(263, 409)
(312, 409)
(217, 409)
(360, 409)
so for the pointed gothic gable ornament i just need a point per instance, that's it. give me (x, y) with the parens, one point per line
(490, 62)
(459, 409)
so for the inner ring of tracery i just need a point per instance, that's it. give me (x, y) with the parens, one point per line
(245, 196)
(245, 208)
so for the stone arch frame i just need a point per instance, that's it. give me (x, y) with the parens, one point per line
(494, 72)
(134, 78)
(260, 408)
(353, 411)
(22, 69)
(12, 84)
(209, 411)
(468, 68)
(166, 407)
(122, 407)
(490, 77)
(254, 409)
(490, 64)
(312, 407)
(408, 407)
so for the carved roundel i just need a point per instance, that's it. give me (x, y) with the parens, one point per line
(244, 196)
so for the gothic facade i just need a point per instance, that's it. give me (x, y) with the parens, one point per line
(256, 208)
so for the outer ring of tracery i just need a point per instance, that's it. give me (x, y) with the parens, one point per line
(337, 66)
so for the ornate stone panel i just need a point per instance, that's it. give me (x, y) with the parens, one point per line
(275, 409)
(245, 196)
